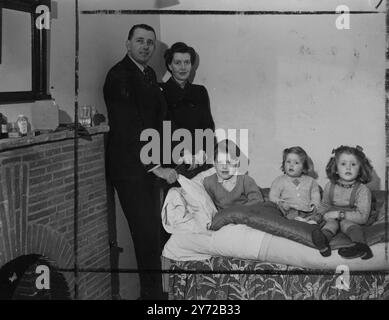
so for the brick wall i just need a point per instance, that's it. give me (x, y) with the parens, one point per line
(387, 98)
(37, 207)
(387, 108)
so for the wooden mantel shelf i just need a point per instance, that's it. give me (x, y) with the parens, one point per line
(13, 143)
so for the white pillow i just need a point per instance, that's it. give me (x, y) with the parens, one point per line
(187, 209)
(175, 215)
(198, 201)
(199, 178)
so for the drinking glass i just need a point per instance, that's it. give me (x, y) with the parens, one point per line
(85, 116)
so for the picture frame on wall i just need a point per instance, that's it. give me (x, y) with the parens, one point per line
(1, 27)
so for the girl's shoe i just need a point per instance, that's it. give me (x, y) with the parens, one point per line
(358, 250)
(321, 242)
(368, 253)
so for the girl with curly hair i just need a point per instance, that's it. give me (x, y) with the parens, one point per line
(346, 202)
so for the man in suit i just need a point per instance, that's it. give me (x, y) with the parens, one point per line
(135, 103)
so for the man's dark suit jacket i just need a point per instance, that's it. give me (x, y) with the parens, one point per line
(133, 104)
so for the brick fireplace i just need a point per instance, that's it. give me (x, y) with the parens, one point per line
(37, 192)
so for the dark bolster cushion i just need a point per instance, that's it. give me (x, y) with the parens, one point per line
(266, 217)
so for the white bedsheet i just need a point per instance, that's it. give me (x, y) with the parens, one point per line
(238, 241)
(243, 242)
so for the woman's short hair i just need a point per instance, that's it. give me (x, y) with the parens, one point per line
(365, 170)
(301, 153)
(228, 147)
(179, 47)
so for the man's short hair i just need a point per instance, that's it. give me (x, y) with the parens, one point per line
(140, 26)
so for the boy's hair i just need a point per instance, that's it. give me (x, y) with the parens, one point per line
(301, 153)
(228, 147)
(365, 170)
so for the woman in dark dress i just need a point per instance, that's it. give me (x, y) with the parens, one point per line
(188, 104)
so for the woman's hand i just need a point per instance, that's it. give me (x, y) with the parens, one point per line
(171, 176)
(331, 215)
(168, 174)
(187, 158)
(193, 164)
(193, 160)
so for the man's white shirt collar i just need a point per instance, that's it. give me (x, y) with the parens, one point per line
(141, 67)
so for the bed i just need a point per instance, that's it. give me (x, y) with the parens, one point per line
(229, 265)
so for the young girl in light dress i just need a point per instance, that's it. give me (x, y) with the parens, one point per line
(296, 193)
(346, 203)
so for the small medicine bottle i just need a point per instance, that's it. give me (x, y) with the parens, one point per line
(4, 127)
(13, 131)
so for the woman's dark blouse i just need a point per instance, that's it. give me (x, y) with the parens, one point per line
(188, 107)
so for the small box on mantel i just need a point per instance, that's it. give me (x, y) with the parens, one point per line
(44, 115)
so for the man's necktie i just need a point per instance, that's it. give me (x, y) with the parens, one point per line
(148, 75)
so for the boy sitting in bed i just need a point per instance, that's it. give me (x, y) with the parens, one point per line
(227, 187)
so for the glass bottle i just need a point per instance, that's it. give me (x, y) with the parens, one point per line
(4, 127)
(13, 131)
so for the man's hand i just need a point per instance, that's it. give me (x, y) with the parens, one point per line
(168, 174)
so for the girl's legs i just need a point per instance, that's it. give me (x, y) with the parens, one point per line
(322, 237)
(285, 251)
(330, 229)
(356, 234)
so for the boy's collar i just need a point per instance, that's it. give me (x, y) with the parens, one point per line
(230, 180)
